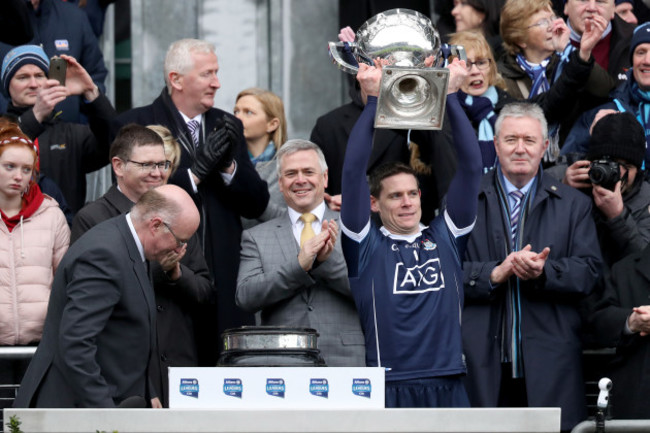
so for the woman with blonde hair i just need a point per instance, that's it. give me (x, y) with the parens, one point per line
(265, 130)
(34, 236)
(172, 149)
(483, 95)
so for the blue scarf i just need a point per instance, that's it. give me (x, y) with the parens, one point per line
(267, 155)
(642, 98)
(537, 74)
(480, 110)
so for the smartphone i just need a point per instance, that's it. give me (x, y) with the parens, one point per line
(58, 68)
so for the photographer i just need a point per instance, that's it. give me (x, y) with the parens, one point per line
(612, 170)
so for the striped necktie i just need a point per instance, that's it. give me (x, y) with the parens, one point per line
(193, 126)
(515, 214)
(513, 307)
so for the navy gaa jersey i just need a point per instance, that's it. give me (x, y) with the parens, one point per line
(409, 294)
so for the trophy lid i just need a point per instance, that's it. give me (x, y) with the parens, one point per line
(403, 36)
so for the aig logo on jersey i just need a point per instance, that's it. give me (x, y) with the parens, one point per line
(418, 279)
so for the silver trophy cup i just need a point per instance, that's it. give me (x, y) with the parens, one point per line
(412, 95)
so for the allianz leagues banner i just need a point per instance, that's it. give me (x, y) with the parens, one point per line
(276, 387)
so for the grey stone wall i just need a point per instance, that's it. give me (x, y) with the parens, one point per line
(280, 45)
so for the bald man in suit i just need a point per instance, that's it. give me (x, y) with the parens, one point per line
(99, 333)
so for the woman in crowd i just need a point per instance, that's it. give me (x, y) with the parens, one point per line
(480, 15)
(482, 96)
(34, 236)
(541, 65)
(172, 149)
(265, 130)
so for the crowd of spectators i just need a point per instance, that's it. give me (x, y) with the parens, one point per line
(534, 201)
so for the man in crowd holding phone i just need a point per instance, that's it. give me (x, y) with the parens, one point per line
(67, 151)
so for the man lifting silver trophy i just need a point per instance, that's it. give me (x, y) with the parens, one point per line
(414, 82)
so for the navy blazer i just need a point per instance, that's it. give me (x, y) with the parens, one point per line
(559, 218)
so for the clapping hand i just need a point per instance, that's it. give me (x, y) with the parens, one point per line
(319, 247)
(219, 150)
(639, 320)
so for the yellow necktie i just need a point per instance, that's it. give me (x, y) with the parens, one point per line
(307, 230)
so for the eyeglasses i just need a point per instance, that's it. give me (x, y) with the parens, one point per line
(151, 166)
(545, 23)
(179, 243)
(481, 64)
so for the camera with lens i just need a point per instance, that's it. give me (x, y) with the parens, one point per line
(604, 172)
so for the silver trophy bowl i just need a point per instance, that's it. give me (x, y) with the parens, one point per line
(412, 95)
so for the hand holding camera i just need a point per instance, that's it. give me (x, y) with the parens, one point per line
(577, 172)
(604, 172)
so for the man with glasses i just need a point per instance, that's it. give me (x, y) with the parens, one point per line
(181, 279)
(99, 340)
(214, 169)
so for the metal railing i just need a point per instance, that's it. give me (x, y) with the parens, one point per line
(8, 391)
(615, 426)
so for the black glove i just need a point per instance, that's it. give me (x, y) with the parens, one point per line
(219, 149)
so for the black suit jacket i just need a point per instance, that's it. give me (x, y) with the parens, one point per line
(99, 332)
(221, 206)
(176, 301)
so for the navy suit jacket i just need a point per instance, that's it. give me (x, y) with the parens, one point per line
(99, 332)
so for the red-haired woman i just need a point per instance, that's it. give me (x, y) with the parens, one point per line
(34, 236)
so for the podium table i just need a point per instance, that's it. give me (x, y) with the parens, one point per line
(515, 420)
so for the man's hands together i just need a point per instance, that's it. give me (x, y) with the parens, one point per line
(639, 320)
(525, 264)
(320, 246)
(219, 150)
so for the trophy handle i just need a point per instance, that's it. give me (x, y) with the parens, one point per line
(335, 49)
(452, 50)
(458, 51)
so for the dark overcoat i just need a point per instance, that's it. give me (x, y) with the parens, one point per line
(559, 217)
(221, 207)
(627, 286)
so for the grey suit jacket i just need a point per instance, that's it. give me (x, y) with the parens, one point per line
(99, 332)
(272, 281)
